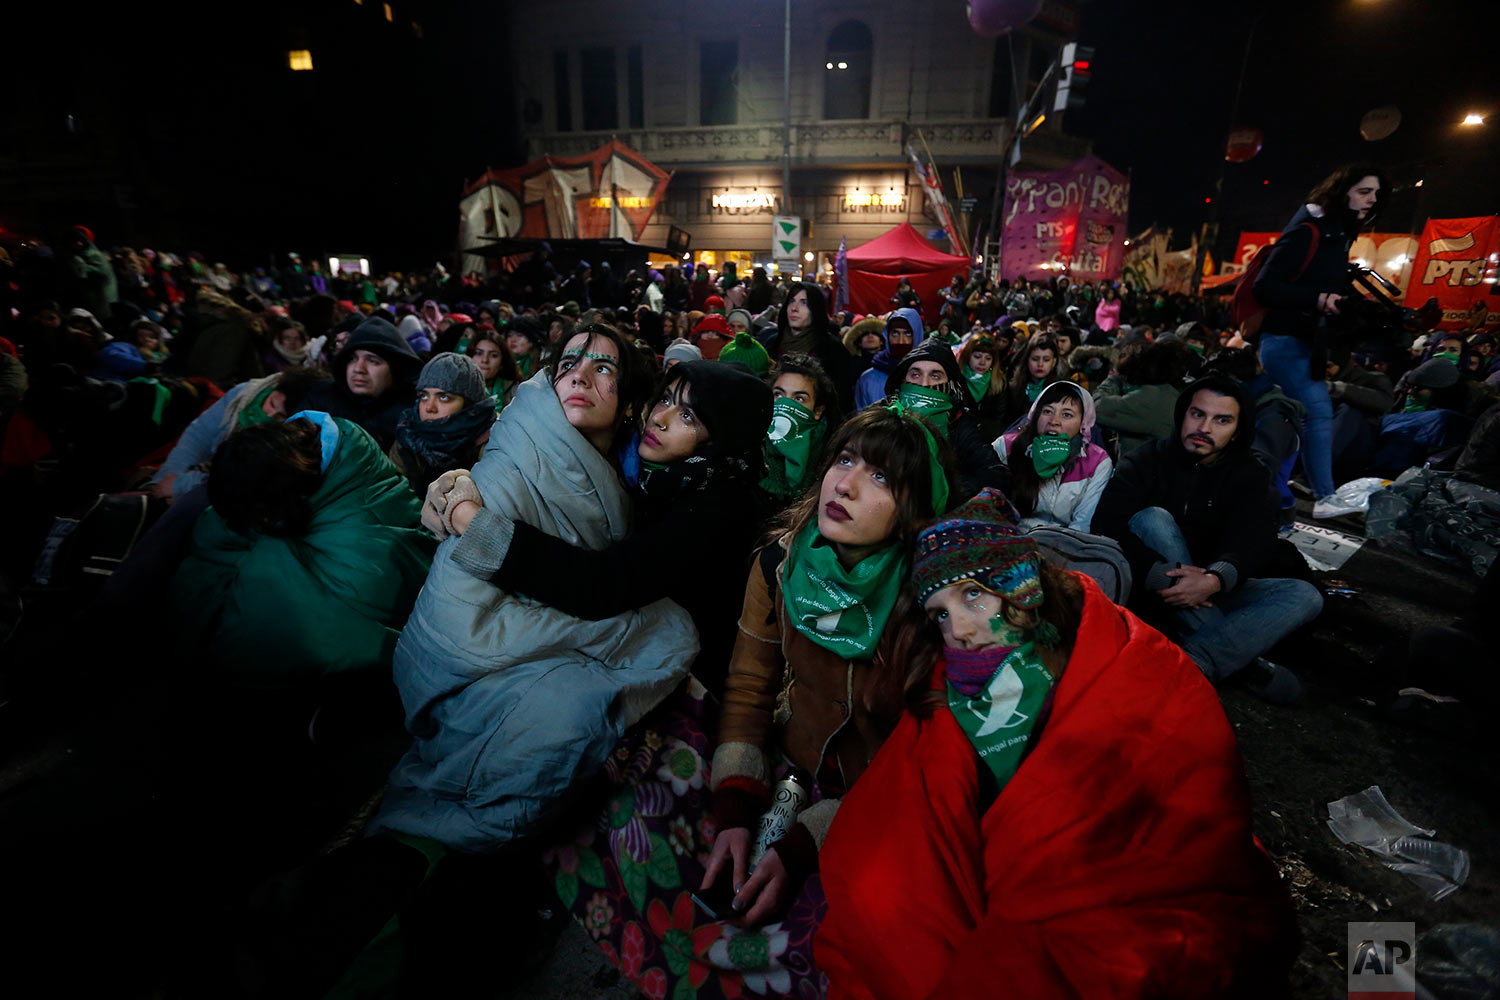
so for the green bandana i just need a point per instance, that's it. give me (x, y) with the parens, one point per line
(254, 412)
(1447, 356)
(842, 610)
(1034, 388)
(902, 406)
(1197, 349)
(161, 397)
(1049, 453)
(934, 405)
(979, 383)
(999, 720)
(1414, 404)
(791, 443)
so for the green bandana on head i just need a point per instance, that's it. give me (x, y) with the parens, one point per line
(979, 383)
(842, 610)
(902, 408)
(1049, 453)
(254, 411)
(794, 439)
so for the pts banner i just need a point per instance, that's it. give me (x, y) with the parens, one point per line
(1456, 263)
(1065, 222)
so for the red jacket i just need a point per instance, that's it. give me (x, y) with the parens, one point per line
(1118, 862)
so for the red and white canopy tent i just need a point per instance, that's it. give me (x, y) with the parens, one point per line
(876, 267)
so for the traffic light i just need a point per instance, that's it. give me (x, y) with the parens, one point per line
(1077, 69)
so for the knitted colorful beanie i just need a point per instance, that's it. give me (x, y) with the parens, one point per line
(979, 541)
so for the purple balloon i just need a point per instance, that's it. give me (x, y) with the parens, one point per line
(995, 17)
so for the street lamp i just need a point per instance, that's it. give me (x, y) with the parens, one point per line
(1473, 118)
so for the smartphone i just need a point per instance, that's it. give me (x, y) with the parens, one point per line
(717, 901)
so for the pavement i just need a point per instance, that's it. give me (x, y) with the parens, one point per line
(130, 846)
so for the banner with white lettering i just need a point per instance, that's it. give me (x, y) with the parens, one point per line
(1456, 263)
(1065, 222)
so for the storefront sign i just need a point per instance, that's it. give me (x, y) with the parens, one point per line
(743, 203)
(621, 201)
(875, 201)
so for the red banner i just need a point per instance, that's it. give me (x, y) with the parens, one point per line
(1456, 264)
(1250, 244)
(1065, 222)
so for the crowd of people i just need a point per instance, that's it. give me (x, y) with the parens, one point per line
(648, 557)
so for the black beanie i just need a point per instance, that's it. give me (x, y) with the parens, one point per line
(734, 405)
(930, 349)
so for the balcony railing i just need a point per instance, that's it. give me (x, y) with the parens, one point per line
(813, 144)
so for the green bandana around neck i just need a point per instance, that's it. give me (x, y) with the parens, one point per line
(934, 405)
(999, 720)
(254, 411)
(842, 610)
(979, 383)
(794, 439)
(1049, 453)
(1034, 388)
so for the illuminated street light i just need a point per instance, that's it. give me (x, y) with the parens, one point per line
(1473, 118)
(828, 65)
(843, 65)
(808, 256)
(979, 259)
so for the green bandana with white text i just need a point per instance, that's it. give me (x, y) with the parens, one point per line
(1049, 453)
(979, 383)
(842, 610)
(999, 720)
(933, 405)
(794, 439)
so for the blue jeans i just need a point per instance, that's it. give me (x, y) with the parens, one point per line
(1286, 359)
(1242, 624)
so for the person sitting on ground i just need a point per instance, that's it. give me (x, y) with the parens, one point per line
(1194, 514)
(121, 359)
(288, 346)
(928, 383)
(865, 338)
(1361, 396)
(677, 352)
(1036, 367)
(903, 331)
(226, 347)
(1009, 802)
(1059, 474)
(802, 327)
(744, 350)
(1137, 402)
(1278, 421)
(309, 559)
(711, 335)
(510, 703)
(1089, 365)
(805, 413)
(1435, 410)
(980, 362)
(527, 343)
(490, 351)
(373, 376)
(449, 422)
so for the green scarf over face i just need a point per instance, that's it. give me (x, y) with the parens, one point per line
(1447, 356)
(842, 610)
(1415, 403)
(254, 411)
(979, 383)
(792, 442)
(1000, 718)
(933, 405)
(1049, 453)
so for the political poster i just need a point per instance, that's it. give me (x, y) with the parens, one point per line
(1456, 263)
(1065, 222)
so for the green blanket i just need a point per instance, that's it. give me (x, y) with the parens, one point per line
(272, 612)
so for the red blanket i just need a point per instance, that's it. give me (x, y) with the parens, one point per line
(1118, 862)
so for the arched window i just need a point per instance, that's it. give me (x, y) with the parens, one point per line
(846, 71)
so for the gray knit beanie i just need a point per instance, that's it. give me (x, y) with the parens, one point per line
(454, 373)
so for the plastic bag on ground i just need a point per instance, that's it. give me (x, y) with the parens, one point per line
(1367, 820)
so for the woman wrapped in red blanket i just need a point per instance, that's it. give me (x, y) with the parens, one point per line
(1061, 813)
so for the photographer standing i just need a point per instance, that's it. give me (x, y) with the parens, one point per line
(1301, 286)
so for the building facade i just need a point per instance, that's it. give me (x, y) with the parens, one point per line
(700, 93)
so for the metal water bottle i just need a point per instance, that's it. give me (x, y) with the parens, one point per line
(788, 799)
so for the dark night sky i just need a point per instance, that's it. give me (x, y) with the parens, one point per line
(1165, 77)
(225, 150)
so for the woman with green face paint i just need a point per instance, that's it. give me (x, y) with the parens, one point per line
(1057, 474)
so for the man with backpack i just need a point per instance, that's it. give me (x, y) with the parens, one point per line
(1196, 517)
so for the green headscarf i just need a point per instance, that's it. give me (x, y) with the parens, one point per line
(794, 439)
(1049, 453)
(842, 610)
(254, 412)
(979, 383)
